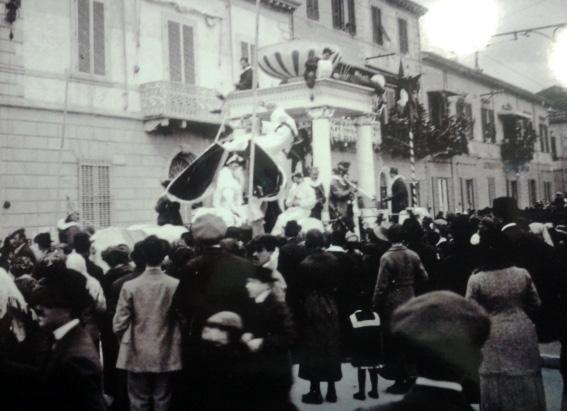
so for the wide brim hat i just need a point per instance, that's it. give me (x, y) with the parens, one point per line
(443, 327)
(62, 288)
(43, 239)
(505, 208)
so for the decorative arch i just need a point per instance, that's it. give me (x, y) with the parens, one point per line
(179, 162)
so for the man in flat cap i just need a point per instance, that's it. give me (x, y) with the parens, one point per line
(215, 281)
(70, 377)
(443, 333)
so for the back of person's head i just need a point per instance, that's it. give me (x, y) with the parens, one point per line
(138, 256)
(153, 251)
(461, 229)
(495, 249)
(233, 232)
(443, 333)
(314, 239)
(395, 233)
(412, 231)
(338, 237)
(505, 209)
(266, 242)
(292, 229)
(82, 243)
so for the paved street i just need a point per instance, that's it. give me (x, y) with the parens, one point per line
(348, 385)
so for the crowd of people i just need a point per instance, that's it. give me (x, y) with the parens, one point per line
(451, 309)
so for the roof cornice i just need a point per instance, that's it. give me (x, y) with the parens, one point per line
(410, 6)
(437, 60)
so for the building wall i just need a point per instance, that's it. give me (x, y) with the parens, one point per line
(103, 121)
(356, 48)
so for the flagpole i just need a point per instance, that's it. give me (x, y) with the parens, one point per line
(255, 130)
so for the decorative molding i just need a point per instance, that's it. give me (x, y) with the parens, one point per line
(323, 112)
(366, 119)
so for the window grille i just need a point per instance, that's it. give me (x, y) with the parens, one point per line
(94, 194)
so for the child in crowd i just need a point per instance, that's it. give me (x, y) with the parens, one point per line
(366, 349)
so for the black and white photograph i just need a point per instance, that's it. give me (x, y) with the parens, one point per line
(283, 205)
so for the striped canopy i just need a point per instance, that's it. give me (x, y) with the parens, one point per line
(287, 60)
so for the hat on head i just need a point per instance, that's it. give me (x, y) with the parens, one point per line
(292, 228)
(19, 231)
(208, 228)
(263, 275)
(225, 320)
(82, 242)
(505, 208)
(343, 165)
(267, 241)
(116, 254)
(444, 329)
(62, 288)
(43, 240)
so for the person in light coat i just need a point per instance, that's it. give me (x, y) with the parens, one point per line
(149, 334)
(300, 201)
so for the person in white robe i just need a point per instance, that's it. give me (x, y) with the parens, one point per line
(299, 202)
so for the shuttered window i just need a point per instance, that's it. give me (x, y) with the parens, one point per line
(488, 125)
(338, 14)
(441, 194)
(532, 191)
(313, 9)
(181, 52)
(403, 35)
(91, 37)
(94, 194)
(377, 36)
(547, 191)
(512, 189)
(351, 28)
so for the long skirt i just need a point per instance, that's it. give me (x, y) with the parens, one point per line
(501, 392)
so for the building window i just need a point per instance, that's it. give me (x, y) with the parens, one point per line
(247, 51)
(313, 9)
(181, 52)
(440, 194)
(464, 110)
(94, 194)
(467, 194)
(512, 189)
(491, 190)
(488, 125)
(377, 31)
(543, 138)
(91, 37)
(403, 34)
(547, 191)
(344, 19)
(553, 147)
(532, 191)
(438, 108)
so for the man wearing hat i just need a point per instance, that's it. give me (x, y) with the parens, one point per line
(443, 333)
(269, 336)
(215, 281)
(299, 202)
(399, 197)
(265, 253)
(342, 194)
(70, 377)
(43, 241)
(168, 211)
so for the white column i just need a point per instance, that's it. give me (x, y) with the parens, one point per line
(365, 157)
(321, 144)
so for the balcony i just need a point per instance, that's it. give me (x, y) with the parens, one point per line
(163, 101)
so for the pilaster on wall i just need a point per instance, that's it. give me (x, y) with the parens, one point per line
(11, 55)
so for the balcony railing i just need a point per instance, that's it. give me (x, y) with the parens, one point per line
(178, 101)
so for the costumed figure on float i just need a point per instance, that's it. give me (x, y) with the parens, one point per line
(299, 202)
(341, 198)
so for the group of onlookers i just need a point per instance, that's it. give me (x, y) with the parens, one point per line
(215, 320)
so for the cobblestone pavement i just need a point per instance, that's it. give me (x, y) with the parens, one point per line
(348, 385)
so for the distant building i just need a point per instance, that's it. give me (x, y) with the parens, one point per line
(130, 88)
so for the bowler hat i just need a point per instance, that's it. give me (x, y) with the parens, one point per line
(63, 288)
(208, 228)
(225, 320)
(116, 254)
(443, 328)
(292, 228)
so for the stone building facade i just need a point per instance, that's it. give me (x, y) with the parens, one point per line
(99, 99)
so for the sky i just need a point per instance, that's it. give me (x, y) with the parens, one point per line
(523, 62)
